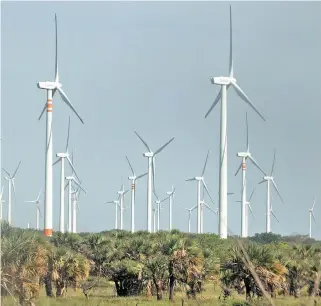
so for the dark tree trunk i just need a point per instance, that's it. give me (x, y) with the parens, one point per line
(159, 292)
(48, 285)
(171, 287)
(60, 288)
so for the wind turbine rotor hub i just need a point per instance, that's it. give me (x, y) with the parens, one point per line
(148, 154)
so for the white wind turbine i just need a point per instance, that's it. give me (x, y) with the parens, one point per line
(51, 87)
(133, 179)
(151, 177)
(311, 215)
(225, 83)
(190, 216)
(38, 212)
(75, 208)
(247, 208)
(10, 178)
(61, 159)
(1, 202)
(269, 210)
(171, 200)
(158, 208)
(154, 219)
(202, 205)
(245, 155)
(200, 179)
(121, 193)
(116, 202)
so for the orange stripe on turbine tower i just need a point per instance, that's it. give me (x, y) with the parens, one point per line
(243, 166)
(47, 232)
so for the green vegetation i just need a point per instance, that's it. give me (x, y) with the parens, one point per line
(164, 268)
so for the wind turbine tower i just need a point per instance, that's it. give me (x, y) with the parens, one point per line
(133, 179)
(151, 177)
(121, 193)
(171, 200)
(311, 215)
(51, 87)
(225, 83)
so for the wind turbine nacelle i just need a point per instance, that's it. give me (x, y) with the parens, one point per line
(63, 155)
(221, 80)
(69, 177)
(47, 85)
(132, 178)
(198, 178)
(148, 154)
(268, 178)
(169, 192)
(243, 154)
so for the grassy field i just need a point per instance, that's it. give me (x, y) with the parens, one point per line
(104, 295)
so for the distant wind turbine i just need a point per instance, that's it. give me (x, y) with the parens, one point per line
(121, 193)
(116, 202)
(270, 179)
(225, 83)
(1, 202)
(200, 179)
(158, 208)
(133, 179)
(38, 212)
(311, 215)
(51, 87)
(190, 216)
(171, 200)
(245, 155)
(10, 178)
(151, 176)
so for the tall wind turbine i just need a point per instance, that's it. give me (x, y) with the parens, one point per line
(61, 159)
(225, 83)
(51, 87)
(311, 215)
(190, 216)
(38, 212)
(270, 179)
(151, 176)
(245, 155)
(247, 208)
(200, 179)
(10, 178)
(1, 206)
(171, 200)
(121, 193)
(133, 179)
(116, 202)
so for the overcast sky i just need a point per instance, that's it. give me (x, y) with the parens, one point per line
(146, 66)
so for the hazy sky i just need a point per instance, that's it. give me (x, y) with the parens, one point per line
(147, 66)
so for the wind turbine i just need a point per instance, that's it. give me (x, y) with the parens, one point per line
(10, 178)
(190, 216)
(133, 179)
(75, 208)
(151, 176)
(225, 83)
(1, 202)
(38, 212)
(171, 200)
(51, 87)
(61, 159)
(270, 179)
(158, 208)
(200, 179)
(202, 205)
(311, 215)
(247, 208)
(154, 219)
(245, 155)
(116, 202)
(121, 193)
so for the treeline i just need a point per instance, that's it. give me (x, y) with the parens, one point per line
(154, 263)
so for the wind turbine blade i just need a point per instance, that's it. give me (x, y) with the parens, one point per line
(68, 135)
(231, 46)
(242, 95)
(191, 179)
(311, 208)
(125, 192)
(238, 169)
(230, 193)
(40, 214)
(30, 201)
(208, 152)
(251, 211)
(251, 194)
(154, 191)
(140, 176)
(1, 194)
(130, 166)
(256, 164)
(14, 174)
(72, 167)
(56, 161)
(277, 190)
(208, 191)
(165, 145)
(14, 188)
(164, 199)
(247, 134)
(143, 141)
(66, 100)
(110, 202)
(209, 208)
(6, 172)
(194, 207)
(273, 163)
(66, 185)
(56, 57)
(39, 194)
(217, 99)
(274, 216)
(80, 186)
(261, 182)
(42, 112)
(313, 216)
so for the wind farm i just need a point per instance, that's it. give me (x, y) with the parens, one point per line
(148, 97)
